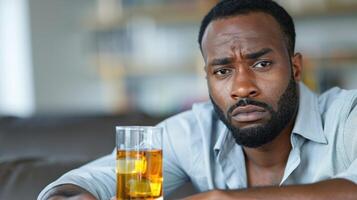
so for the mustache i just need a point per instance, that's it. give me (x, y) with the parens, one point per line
(248, 101)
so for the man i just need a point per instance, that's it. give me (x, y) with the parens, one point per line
(263, 135)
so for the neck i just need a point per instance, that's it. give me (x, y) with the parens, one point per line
(272, 155)
(265, 165)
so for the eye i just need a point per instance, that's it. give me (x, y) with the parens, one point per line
(262, 64)
(222, 72)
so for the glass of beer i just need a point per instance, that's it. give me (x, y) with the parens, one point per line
(139, 162)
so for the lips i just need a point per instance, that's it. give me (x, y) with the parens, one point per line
(249, 113)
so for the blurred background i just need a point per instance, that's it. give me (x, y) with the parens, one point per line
(119, 56)
(70, 70)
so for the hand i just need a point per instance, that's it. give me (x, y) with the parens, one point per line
(68, 192)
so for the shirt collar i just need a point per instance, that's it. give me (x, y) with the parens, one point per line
(308, 121)
(223, 137)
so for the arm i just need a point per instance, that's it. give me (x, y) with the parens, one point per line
(68, 192)
(338, 189)
(97, 177)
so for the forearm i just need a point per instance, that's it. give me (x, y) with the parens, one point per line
(67, 191)
(337, 189)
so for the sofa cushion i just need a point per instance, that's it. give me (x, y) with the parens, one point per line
(25, 178)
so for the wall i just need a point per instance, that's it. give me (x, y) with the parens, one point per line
(65, 79)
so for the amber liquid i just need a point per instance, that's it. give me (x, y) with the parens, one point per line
(139, 174)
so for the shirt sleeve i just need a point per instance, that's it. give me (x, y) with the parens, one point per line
(174, 175)
(350, 146)
(97, 177)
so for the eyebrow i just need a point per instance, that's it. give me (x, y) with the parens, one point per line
(258, 54)
(221, 61)
(251, 56)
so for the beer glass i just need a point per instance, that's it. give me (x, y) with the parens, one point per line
(139, 162)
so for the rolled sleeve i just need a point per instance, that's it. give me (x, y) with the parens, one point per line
(97, 177)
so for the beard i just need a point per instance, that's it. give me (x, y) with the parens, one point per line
(259, 135)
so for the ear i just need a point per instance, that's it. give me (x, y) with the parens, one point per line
(297, 66)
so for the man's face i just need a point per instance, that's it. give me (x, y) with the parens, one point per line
(251, 79)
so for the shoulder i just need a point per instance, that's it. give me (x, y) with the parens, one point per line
(350, 133)
(189, 120)
(338, 101)
(184, 132)
(188, 124)
(339, 108)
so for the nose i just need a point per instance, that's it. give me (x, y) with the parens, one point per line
(244, 85)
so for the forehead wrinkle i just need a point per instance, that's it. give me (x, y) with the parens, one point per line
(225, 38)
(234, 45)
(235, 49)
(229, 42)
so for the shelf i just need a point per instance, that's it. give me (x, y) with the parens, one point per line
(347, 56)
(193, 12)
(178, 13)
(325, 9)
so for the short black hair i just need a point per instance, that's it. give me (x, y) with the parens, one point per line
(231, 8)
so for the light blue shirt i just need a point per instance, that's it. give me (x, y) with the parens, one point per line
(199, 148)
